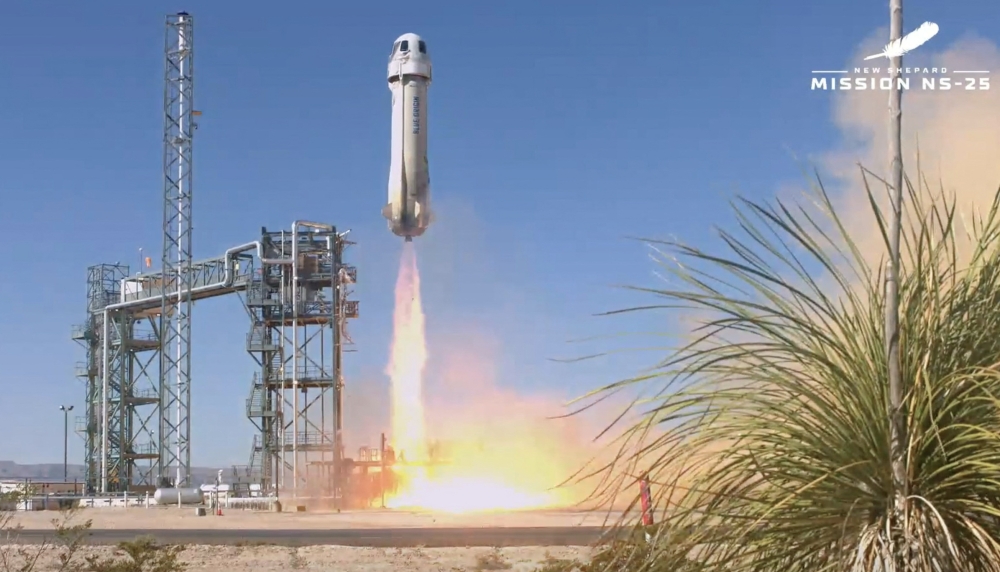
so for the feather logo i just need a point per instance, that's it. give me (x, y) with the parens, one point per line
(909, 42)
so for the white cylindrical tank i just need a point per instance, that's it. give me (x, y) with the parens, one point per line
(409, 75)
(187, 496)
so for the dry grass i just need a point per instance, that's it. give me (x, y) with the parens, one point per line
(68, 542)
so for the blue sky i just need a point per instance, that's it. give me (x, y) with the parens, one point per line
(555, 134)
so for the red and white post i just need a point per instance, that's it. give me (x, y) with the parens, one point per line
(647, 501)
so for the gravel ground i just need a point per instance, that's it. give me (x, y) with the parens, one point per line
(345, 559)
(160, 518)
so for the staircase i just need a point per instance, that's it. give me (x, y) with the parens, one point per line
(274, 373)
(240, 481)
(255, 403)
(264, 344)
(246, 475)
(258, 339)
(257, 457)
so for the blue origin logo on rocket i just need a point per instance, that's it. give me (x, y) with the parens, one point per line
(409, 75)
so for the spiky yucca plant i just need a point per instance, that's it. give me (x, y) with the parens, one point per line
(768, 442)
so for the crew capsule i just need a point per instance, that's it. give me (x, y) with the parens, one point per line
(409, 74)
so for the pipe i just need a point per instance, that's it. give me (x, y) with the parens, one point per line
(295, 345)
(295, 364)
(227, 280)
(293, 261)
(104, 405)
(182, 132)
(338, 387)
(316, 225)
(283, 295)
(228, 277)
(295, 359)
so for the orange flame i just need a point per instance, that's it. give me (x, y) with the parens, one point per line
(477, 484)
(408, 357)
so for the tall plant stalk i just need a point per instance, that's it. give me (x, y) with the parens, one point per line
(897, 415)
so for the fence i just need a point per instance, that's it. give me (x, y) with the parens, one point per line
(62, 501)
(251, 503)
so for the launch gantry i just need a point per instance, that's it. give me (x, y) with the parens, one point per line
(295, 286)
(297, 337)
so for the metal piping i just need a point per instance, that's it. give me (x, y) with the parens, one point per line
(227, 280)
(295, 360)
(283, 295)
(295, 345)
(104, 405)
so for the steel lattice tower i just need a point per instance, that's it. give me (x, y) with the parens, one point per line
(136, 423)
(175, 317)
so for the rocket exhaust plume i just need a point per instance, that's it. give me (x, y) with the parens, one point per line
(496, 459)
(408, 357)
(475, 482)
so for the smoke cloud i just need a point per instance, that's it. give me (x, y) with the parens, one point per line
(956, 134)
(513, 433)
(496, 428)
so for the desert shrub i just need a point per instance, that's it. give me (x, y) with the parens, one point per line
(67, 541)
(768, 440)
(140, 555)
(492, 560)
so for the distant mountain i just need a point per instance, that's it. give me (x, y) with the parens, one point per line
(41, 471)
(54, 472)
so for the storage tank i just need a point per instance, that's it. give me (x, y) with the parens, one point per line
(187, 496)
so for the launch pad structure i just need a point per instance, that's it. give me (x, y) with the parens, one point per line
(297, 335)
(295, 287)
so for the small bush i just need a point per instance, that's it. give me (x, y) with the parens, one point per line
(551, 564)
(493, 560)
(297, 562)
(140, 555)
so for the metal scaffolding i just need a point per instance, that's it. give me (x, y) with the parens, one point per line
(121, 335)
(297, 334)
(175, 305)
(119, 390)
(137, 423)
(297, 399)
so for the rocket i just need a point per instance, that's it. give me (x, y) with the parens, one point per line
(409, 74)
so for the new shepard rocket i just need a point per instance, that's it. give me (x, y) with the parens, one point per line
(409, 74)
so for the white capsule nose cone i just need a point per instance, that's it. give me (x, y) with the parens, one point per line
(408, 209)
(408, 37)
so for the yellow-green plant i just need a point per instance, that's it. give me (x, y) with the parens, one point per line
(768, 444)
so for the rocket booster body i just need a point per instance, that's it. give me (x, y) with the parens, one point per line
(409, 75)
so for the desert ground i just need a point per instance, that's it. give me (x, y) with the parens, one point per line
(346, 559)
(158, 518)
(258, 556)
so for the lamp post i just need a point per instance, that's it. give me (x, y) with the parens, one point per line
(66, 409)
